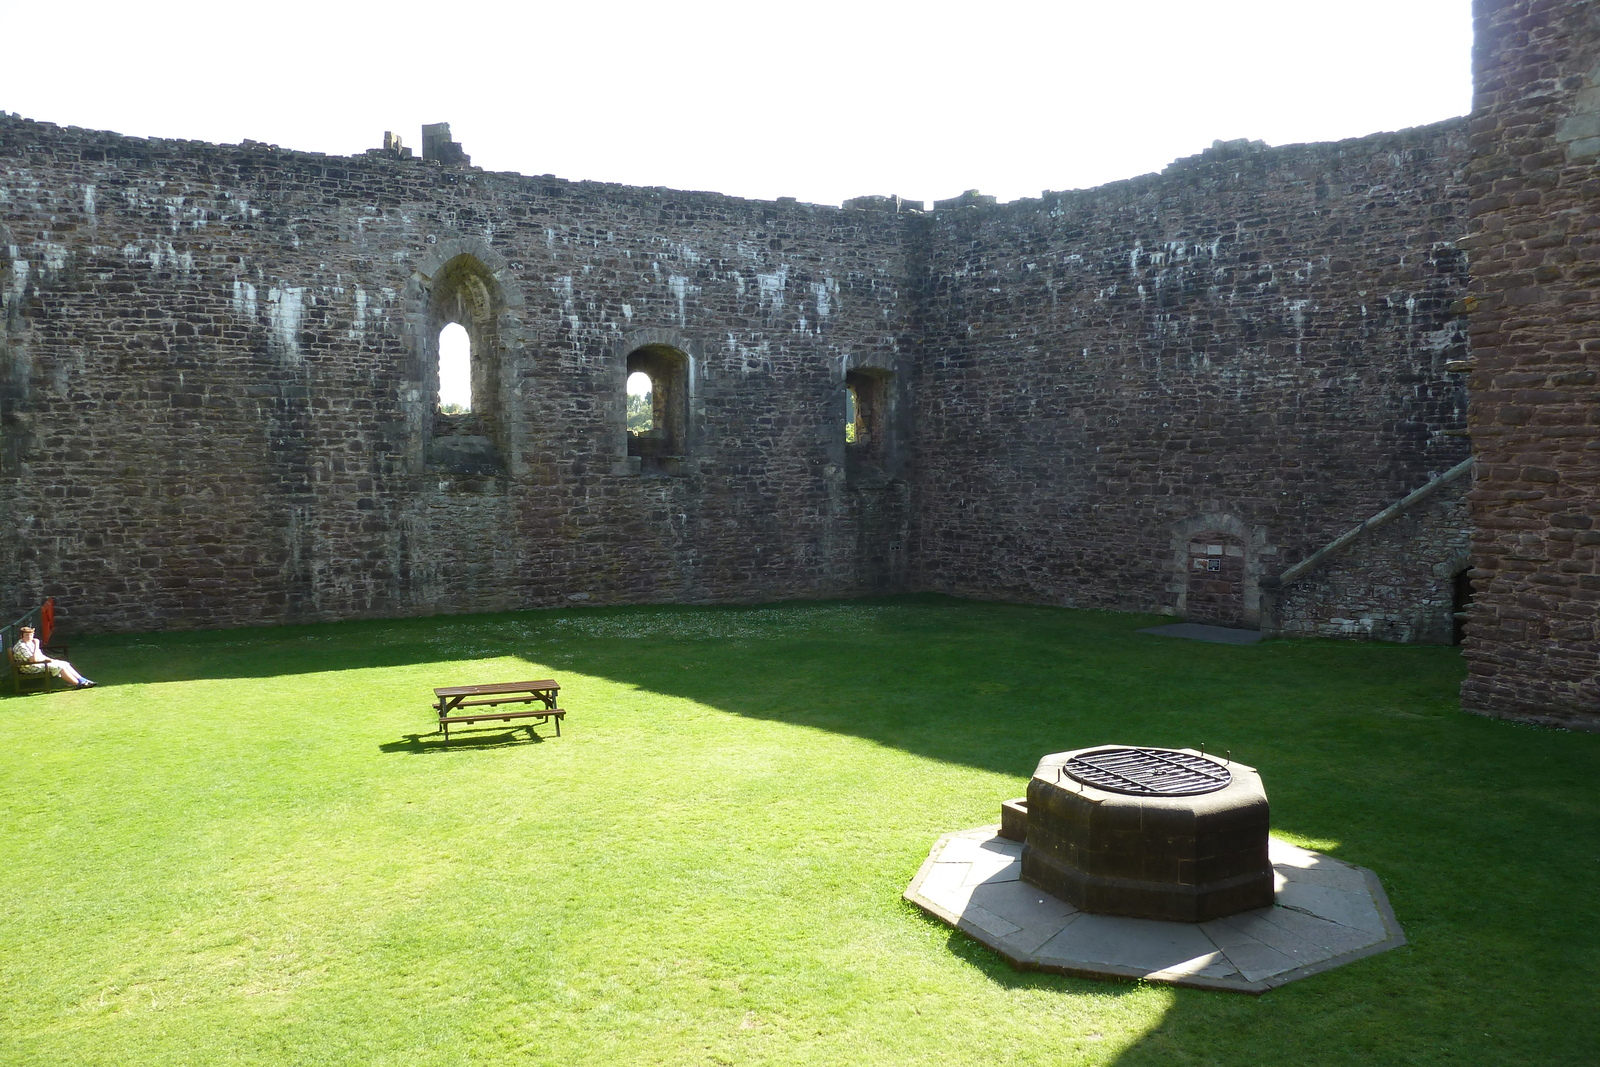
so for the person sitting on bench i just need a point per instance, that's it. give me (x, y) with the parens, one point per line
(31, 661)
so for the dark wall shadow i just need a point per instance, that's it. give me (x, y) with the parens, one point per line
(988, 685)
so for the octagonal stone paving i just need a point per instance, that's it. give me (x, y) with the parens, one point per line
(1327, 913)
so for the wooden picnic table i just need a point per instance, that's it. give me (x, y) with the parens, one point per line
(450, 698)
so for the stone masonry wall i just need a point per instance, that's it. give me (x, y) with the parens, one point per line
(218, 378)
(1250, 344)
(1393, 583)
(1533, 641)
(217, 383)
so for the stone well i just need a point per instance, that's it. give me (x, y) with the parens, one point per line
(1151, 833)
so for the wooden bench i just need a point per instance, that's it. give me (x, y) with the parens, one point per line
(42, 682)
(450, 698)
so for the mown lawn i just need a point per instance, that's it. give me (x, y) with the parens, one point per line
(247, 847)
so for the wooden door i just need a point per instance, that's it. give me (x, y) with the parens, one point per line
(1216, 580)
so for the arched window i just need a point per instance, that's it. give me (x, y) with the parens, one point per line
(658, 390)
(455, 370)
(462, 362)
(641, 416)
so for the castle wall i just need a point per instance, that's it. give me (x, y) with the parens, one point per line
(1396, 582)
(1246, 351)
(218, 382)
(217, 387)
(1533, 641)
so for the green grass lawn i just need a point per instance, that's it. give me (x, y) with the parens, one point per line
(248, 847)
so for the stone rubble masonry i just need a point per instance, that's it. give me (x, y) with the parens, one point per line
(1532, 644)
(1394, 583)
(217, 392)
(218, 377)
(1252, 343)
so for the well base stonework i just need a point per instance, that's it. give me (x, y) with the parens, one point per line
(1174, 858)
(1327, 913)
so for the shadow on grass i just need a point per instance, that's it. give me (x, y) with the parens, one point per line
(463, 741)
(986, 685)
(1361, 744)
(45, 693)
(1001, 973)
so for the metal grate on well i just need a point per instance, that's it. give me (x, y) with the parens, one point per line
(1150, 772)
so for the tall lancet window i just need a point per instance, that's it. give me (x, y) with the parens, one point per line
(455, 370)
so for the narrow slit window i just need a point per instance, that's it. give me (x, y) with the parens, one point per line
(851, 413)
(641, 397)
(455, 370)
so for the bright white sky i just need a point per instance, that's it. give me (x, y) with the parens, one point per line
(455, 366)
(821, 100)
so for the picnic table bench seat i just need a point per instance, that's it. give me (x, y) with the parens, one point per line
(449, 698)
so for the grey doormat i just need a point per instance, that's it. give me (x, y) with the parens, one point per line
(1195, 631)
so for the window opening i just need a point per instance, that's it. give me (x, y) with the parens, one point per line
(641, 412)
(455, 370)
(866, 415)
(463, 346)
(659, 433)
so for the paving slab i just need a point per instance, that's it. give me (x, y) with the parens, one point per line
(993, 868)
(1252, 928)
(1146, 945)
(1024, 942)
(947, 877)
(1343, 876)
(1341, 906)
(1027, 906)
(1198, 631)
(1283, 854)
(988, 922)
(962, 849)
(947, 900)
(1327, 913)
(1327, 934)
(1349, 879)
(1255, 959)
